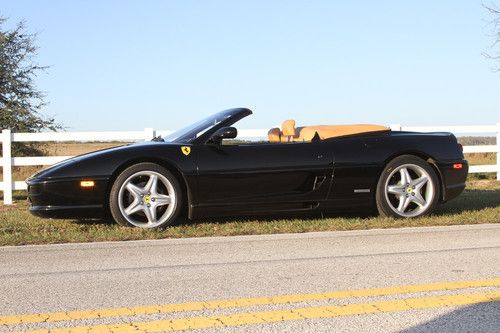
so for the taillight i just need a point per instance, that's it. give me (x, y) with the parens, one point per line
(458, 166)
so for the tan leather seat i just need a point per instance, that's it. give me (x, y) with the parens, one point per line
(274, 135)
(288, 131)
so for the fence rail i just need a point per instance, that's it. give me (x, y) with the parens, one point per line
(7, 161)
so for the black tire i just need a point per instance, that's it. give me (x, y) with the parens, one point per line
(386, 202)
(117, 212)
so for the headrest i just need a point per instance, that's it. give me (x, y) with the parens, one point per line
(274, 135)
(288, 127)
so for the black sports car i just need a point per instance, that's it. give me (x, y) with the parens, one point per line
(202, 171)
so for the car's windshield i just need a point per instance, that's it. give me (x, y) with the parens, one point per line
(193, 131)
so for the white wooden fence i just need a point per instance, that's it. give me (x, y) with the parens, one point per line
(7, 161)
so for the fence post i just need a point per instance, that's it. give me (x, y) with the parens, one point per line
(395, 127)
(7, 166)
(149, 134)
(498, 151)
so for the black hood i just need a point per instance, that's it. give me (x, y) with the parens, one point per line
(92, 163)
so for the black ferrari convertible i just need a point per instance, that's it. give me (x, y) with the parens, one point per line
(204, 170)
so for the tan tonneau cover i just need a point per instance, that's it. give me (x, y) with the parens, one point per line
(289, 133)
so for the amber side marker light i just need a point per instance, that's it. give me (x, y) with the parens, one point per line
(458, 166)
(87, 183)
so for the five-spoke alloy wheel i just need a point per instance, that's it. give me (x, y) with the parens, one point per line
(145, 195)
(408, 187)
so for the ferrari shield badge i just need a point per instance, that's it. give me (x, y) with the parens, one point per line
(186, 150)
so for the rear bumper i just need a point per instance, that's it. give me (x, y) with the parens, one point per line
(453, 179)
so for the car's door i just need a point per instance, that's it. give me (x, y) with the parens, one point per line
(262, 176)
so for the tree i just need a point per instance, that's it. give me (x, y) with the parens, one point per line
(495, 23)
(20, 100)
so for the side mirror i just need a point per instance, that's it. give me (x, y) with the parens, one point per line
(224, 133)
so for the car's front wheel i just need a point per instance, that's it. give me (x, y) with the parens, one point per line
(145, 195)
(408, 187)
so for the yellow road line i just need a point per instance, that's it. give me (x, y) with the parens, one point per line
(242, 302)
(285, 315)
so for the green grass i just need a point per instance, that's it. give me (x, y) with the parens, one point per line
(480, 203)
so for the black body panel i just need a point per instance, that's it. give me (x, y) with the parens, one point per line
(334, 174)
(246, 178)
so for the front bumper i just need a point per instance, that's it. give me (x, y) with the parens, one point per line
(65, 198)
(68, 212)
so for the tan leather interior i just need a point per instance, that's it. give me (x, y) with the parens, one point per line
(274, 135)
(289, 133)
(288, 130)
(331, 131)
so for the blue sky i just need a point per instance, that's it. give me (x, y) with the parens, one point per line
(126, 65)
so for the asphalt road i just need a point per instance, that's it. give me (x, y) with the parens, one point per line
(138, 284)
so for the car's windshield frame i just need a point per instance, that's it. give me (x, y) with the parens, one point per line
(200, 131)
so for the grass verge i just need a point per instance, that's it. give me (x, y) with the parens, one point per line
(480, 203)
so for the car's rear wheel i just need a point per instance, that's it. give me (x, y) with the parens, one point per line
(408, 187)
(145, 195)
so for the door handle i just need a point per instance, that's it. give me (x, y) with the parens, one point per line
(318, 181)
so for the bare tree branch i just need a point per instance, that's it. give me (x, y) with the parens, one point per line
(494, 23)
